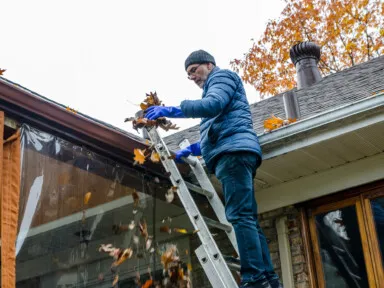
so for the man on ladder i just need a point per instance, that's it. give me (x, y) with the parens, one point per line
(231, 150)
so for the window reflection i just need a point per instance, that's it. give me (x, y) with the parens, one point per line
(341, 250)
(73, 201)
(378, 216)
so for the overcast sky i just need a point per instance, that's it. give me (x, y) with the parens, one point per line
(101, 57)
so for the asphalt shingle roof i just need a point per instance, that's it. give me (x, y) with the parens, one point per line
(334, 90)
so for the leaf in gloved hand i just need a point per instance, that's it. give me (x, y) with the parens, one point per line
(166, 229)
(143, 106)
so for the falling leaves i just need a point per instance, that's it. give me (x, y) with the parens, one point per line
(147, 283)
(169, 255)
(155, 157)
(87, 197)
(115, 280)
(139, 156)
(166, 229)
(2, 71)
(276, 122)
(136, 198)
(123, 255)
(170, 194)
(180, 230)
(71, 110)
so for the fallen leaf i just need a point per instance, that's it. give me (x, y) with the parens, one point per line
(126, 254)
(273, 122)
(87, 196)
(115, 280)
(169, 255)
(139, 156)
(155, 157)
(2, 71)
(180, 230)
(148, 243)
(131, 225)
(143, 229)
(166, 229)
(147, 284)
(136, 198)
(170, 194)
(189, 266)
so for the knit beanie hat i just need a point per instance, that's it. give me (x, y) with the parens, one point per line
(199, 57)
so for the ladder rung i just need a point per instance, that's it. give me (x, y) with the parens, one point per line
(216, 224)
(199, 190)
(232, 262)
(233, 266)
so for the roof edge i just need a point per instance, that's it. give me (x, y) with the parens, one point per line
(323, 118)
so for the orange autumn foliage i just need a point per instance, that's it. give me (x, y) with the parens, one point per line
(349, 32)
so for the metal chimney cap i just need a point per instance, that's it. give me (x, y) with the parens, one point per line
(305, 50)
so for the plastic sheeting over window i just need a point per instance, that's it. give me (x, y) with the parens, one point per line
(72, 201)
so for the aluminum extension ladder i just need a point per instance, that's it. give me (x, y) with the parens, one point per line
(210, 257)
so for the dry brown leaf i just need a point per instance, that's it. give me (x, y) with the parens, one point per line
(147, 284)
(115, 280)
(139, 156)
(170, 255)
(87, 196)
(166, 229)
(143, 229)
(124, 255)
(2, 71)
(143, 106)
(136, 198)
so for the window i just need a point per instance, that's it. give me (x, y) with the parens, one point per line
(347, 239)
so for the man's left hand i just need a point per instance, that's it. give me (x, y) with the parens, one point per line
(154, 112)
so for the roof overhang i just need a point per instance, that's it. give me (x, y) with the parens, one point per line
(323, 126)
(24, 105)
(330, 152)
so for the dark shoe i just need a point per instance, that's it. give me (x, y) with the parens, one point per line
(263, 284)
(276, 284)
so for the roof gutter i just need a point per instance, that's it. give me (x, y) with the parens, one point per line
(27, 106)
(281, 140)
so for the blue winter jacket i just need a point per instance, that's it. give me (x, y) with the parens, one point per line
(226, 124)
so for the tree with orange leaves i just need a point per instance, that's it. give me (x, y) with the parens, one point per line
(349, 31)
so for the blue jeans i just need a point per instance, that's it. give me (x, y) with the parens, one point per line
(236, 172)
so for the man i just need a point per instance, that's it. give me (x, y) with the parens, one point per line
(231, 150)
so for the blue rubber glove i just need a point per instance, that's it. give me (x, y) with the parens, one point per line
(154, 112)
(193, 149)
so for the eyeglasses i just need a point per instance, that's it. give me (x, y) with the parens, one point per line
(193, 71)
